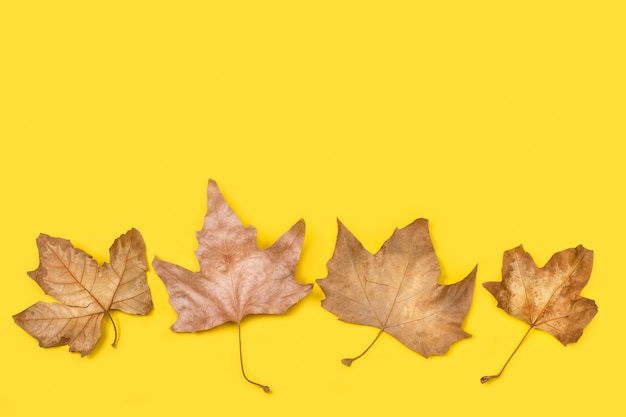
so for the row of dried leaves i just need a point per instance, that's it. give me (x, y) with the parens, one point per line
(395, 290)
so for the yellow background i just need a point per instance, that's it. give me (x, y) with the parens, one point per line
(501, 122)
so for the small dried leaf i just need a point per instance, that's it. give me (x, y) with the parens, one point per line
(547, 298)
(87, 291)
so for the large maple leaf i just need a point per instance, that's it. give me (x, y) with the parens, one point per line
(396, 290)
(89, 292)
(236, 278)
(546, 298)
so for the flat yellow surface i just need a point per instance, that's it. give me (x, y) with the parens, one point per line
(503, 123)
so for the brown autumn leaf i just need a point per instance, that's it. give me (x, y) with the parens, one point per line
(88, 291)
(236, 278)
(546, 298)
(396, 290)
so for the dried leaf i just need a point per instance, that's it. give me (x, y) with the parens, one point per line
(396, 290)
(236, 278)
(546, 298)
(87, 291)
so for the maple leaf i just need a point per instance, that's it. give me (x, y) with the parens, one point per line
(88, 291)
(236, 278)
(546, 298)
(396, 290)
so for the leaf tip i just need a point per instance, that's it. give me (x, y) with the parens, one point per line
(472, 275)
(299, 227)
(341, 227)
(213, 188)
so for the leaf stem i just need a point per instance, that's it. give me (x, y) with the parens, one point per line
(490, 377)
(264, 387)
(348, 361)
(114, 329)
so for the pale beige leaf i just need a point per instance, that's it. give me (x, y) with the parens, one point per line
(236, 278)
